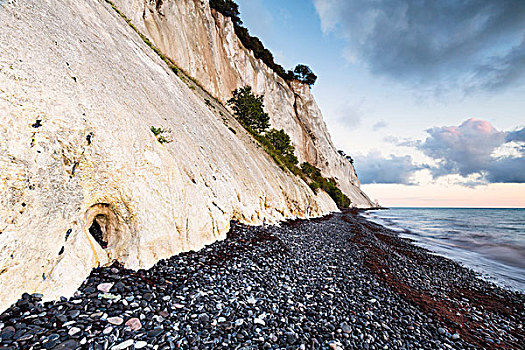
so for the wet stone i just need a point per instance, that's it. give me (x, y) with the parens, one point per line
(67, 345)
(74, 313)
(155, 332)
(327, 283)
(49, 344)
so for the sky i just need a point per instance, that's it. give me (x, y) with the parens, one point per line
(428, 97)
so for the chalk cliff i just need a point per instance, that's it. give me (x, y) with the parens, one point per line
(203, 43)
(79, 91)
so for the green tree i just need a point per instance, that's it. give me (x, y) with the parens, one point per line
(249, 109)
(311, 171)
(228, 8)
(304, 74)
(282, 143)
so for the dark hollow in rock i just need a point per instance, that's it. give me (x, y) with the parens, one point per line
(96, 232)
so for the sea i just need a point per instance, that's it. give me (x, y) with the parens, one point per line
(488, 241)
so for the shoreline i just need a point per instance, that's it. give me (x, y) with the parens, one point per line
(492, 249)
(336, 282)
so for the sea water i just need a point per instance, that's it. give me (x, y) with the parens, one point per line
(489, 241)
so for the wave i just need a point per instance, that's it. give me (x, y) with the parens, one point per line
(489, 241)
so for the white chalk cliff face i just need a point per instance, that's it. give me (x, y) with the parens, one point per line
(79, 91)
(203, 43)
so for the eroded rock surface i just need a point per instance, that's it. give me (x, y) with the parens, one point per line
(79, 91)
(204, 44)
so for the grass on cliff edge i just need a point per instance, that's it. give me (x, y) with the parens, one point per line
(169, 62)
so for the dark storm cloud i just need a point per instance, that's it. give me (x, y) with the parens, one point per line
(374, 168)
(500, 71)
(507, 170)
(469, 148)
(465, 149)
(472, 43)
(472, 148)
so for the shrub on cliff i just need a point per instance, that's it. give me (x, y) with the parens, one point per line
(249, 109)
(327, 185)
(282, 143)
(304, 74)
(346, 156)
(161, 134)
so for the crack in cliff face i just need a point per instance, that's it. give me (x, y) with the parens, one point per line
(308, 132)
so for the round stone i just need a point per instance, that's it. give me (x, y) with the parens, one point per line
(140, 344)
(134, 323)
(117, 321)
(123, 345)
(73, 331)
(204, 318)
(346, 328)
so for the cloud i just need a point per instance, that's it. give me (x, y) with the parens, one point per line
(507, 170)
(475, 44)
(500, 71)
(463, 149)
(470, 148)
(349, 114)
(379, 125)
(374, 168)
(469, 154)
(517, 135)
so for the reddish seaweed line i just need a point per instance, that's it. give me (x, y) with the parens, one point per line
(443, 310)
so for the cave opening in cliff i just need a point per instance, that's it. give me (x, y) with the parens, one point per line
(97, 230)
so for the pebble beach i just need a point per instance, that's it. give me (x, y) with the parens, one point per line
(337, 282)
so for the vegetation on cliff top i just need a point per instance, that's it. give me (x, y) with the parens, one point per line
(304, 74)
(230, 9)
(249, 110)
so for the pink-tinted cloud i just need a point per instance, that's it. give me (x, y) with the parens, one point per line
(466, 149)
